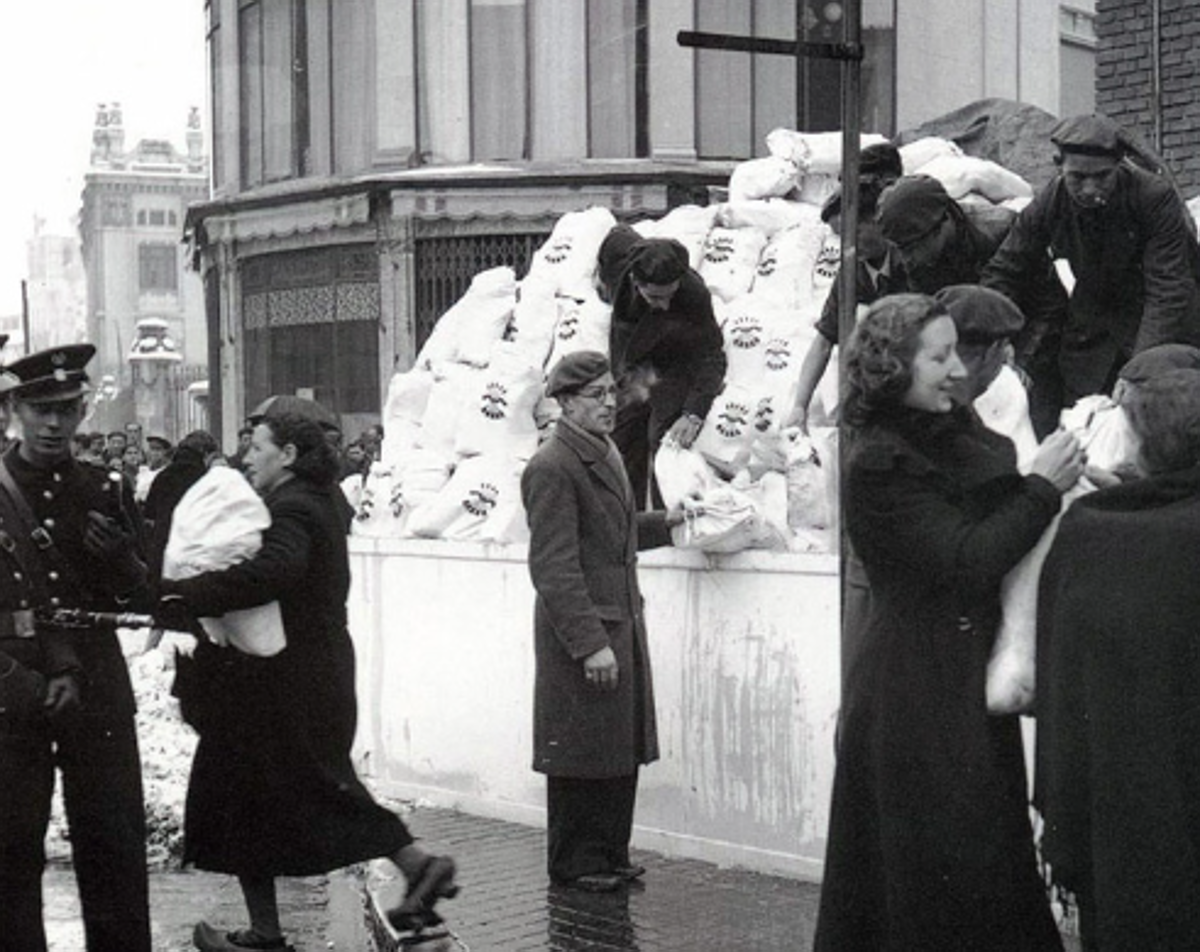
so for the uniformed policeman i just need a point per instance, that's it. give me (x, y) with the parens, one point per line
(77, 535)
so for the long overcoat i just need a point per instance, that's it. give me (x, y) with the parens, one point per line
(584, 537)
(272, 789)
(930, 845)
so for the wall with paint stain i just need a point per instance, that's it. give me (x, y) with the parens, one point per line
(745, 656)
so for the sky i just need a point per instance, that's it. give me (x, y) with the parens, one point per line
(58, 60)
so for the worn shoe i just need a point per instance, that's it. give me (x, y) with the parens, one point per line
(595, 882)
(208, 939)
(434, 881)
(630, 872)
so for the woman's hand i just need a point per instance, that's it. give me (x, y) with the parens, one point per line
(1060, 459)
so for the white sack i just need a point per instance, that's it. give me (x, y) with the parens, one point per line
(771, 176)
(567, 259)
(534, 317)
(730, 260)
(687, 224)
(963, 174)
(497, 411)
(770, 216)
(729, 429)
(784, 274)
(403, 410)
(819, 152)
(917, 154)
(453, 384)
(218, 523)
(481, 502)
(476, 320)
(582, 325)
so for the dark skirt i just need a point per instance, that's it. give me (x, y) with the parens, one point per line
(272, 790)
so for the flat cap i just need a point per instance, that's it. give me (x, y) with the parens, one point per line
(576, 370)
(912, 208)
(980, 315)
(160, 442)
(1153, 361)
(1088, 135)
(49, 375)
(879, 164)
(282, 404)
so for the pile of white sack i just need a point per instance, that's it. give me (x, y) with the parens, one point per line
(461, 424)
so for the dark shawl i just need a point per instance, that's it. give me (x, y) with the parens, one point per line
(1118, 758)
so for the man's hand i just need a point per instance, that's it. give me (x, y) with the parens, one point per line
(600, 669)
(105, 537)
(62, 694)
(173, 614)
(685, 430)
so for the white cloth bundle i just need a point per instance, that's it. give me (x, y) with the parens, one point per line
(770, 215)
(730, 260)
(961, 175)
(378, 510)
(729, 429)
(567, 259)
(771, 176)
(915, 155)
(481, 502)
(687, 224)
(466, 332)
(496, 415)
(583, 324)
(218, 523)
(819, 152)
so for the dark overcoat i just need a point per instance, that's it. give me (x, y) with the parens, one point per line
(930, 845)
(1136, 266)
(584, 537)
(272, 789)
(1118, 682)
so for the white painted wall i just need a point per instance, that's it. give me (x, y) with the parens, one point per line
(745, 656)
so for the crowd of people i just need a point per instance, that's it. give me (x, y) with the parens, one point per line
(965, 356)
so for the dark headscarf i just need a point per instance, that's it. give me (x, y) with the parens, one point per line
(1154, 361)
(658, 261)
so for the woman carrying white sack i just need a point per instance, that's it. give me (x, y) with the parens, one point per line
(272, 790)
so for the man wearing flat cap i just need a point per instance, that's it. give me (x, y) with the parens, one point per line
(667, 351)
(72, 539)
(1129, 241)
(593, 707)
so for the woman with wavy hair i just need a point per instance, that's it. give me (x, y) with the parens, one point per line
(272, 790)
(930, 845)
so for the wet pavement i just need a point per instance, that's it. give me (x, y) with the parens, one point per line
(506, 904)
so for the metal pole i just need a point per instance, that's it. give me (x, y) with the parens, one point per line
(25, 313)
(848, 272)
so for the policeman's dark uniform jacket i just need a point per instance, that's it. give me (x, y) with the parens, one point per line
(95, 746)
(682, 345)
(1136, 263)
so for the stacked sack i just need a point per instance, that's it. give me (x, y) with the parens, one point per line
(464, 420)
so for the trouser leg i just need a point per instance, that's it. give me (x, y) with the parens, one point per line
(631, 434)
(588, 824)
(26, 786)
(102, 793)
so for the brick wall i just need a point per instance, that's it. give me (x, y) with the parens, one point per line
(1124, 77)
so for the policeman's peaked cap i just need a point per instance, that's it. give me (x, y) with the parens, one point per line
(49, 375)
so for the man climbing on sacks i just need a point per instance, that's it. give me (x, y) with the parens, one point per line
(1132, 251)
(667, 351)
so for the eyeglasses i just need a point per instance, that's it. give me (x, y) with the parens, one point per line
(597, 393)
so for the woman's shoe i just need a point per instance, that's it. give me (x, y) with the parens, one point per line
(434, 881)
(208, 939)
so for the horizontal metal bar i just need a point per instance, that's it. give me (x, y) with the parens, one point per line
(759, 44)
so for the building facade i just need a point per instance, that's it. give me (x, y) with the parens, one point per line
(56, 291)
(367, 165)
(1148, 77)
(134, 203)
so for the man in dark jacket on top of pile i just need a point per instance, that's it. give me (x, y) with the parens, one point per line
(667, 351)
(1132, 250)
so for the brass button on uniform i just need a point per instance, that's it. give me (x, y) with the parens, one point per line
(52, 575)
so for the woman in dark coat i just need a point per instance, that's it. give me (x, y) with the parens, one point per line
(1118, 680)
(272, 790)
(930, 846)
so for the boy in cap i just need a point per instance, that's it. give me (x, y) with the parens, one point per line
(593, 699)
(1127, 237)
(85, 553)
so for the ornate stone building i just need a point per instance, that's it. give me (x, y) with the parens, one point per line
(134, 203)
(367, 164)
